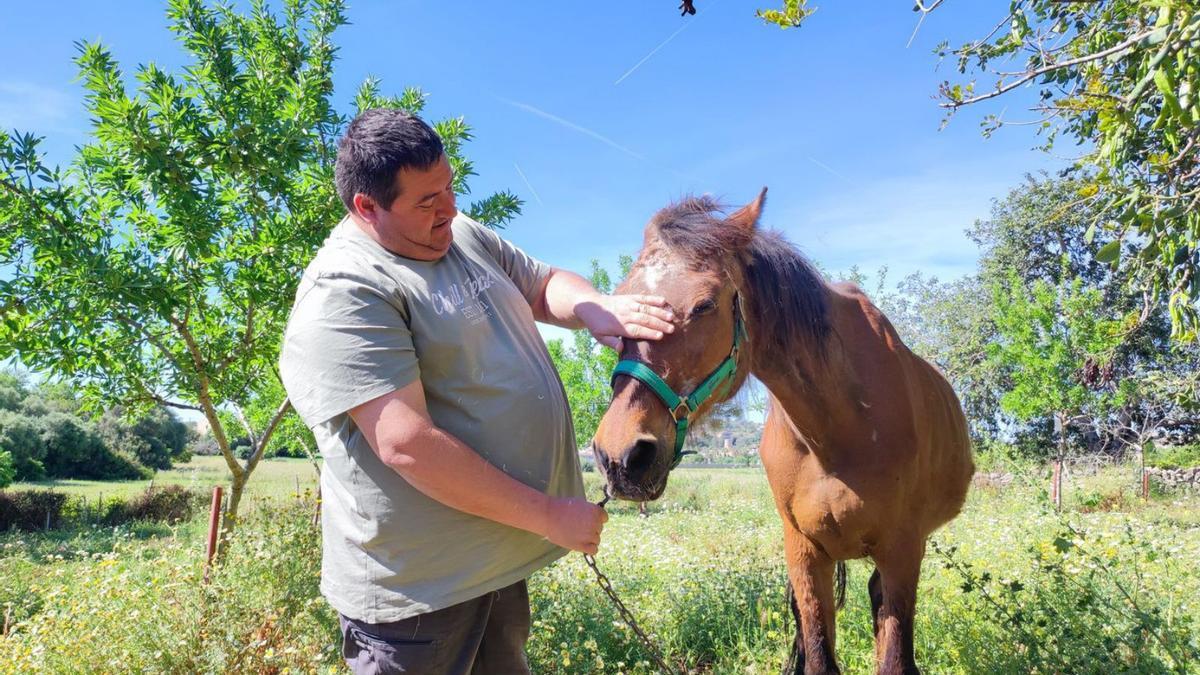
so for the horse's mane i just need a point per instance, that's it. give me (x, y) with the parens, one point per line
(785, 301)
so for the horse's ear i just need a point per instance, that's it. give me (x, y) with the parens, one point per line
(746, 218)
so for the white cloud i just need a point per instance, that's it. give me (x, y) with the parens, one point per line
(35, 108)
(907, 223)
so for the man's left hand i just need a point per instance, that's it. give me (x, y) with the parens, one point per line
(612, 317)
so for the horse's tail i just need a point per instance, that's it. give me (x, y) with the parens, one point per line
(839, 584)
(839, 597)
(794, 663)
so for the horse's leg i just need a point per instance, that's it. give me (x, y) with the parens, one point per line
(899, 570)
(875, 590)
(811, 574)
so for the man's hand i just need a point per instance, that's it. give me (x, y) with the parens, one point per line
(612, 317)
(575, 524)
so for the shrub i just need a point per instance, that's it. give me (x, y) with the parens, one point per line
(31, 509)
(1178, 457)
(168, 504)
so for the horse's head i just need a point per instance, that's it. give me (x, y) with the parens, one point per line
(661, 388)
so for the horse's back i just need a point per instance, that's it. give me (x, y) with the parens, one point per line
(922, 407)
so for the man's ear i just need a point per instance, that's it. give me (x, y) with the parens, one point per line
(366, 208)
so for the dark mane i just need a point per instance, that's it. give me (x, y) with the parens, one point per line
(694, 228)
(786, 300)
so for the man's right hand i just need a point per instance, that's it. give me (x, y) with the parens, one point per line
(575, 524)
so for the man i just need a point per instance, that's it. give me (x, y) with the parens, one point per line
(450, 472)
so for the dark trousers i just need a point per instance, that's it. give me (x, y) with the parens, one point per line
(482, 636)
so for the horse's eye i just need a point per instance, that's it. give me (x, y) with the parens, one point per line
(703, 307)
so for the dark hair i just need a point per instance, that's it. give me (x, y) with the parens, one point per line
(377, 145)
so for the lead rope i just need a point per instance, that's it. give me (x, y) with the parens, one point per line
(626, 615)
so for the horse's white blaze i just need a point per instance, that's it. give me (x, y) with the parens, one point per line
(652, 275)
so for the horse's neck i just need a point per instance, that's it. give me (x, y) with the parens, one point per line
(809, 391)
(808, 413)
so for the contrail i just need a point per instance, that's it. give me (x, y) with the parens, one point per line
(574, 127)
(528, 184)
(661, 45)
(652, 53)
(828, 168)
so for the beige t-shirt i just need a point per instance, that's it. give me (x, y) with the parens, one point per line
(367, 322)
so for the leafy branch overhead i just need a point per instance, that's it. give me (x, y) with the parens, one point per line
(1120, 79)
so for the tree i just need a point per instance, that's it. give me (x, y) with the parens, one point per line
(1121, 78)
(8, 470)
(154, 439)
(159, 266)
(585, 367)
(74, 449)
(20, 437)
(1057, 340)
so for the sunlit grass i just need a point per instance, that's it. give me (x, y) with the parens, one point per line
(703, 572)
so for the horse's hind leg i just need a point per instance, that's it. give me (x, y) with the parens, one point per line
(898, 572)
(875, 590)
(811, 575)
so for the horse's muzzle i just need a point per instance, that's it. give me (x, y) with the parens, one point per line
(638, 475)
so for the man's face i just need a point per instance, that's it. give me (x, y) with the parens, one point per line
(417, 225)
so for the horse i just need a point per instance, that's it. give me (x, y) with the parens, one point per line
(865, 444)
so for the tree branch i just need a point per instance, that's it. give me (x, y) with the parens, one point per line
(210, 411)
(1116, 49)
(266, 435)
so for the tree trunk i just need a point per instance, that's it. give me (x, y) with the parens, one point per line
(241, 475)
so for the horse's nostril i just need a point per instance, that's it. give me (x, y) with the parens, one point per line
(640, 456)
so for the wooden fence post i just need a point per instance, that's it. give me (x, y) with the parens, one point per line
(214, 521)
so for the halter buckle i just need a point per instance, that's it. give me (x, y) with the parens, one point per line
(687, 411)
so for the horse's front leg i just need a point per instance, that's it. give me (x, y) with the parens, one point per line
(894, 603)
(811, 574)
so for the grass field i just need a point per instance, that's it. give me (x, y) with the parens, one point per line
(276, 477)
(1010, 587)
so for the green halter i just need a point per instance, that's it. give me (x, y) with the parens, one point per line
(682, 408)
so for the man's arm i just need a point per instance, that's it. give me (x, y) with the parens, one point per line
(568, 300)
(399, 430)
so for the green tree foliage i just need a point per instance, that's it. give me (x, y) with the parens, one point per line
(159, 266)
(585, 366)
(155, 439)
(74, 449)
(21, 437)
(1056, 342)
(791, 15)
(8, 470)
(1121, 78)
(12, 391)
(291, 437)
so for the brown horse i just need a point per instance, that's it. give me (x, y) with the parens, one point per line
(865, 445)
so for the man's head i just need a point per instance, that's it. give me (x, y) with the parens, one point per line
(395, 180)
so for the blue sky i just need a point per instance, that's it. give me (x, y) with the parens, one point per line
(597, 114)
